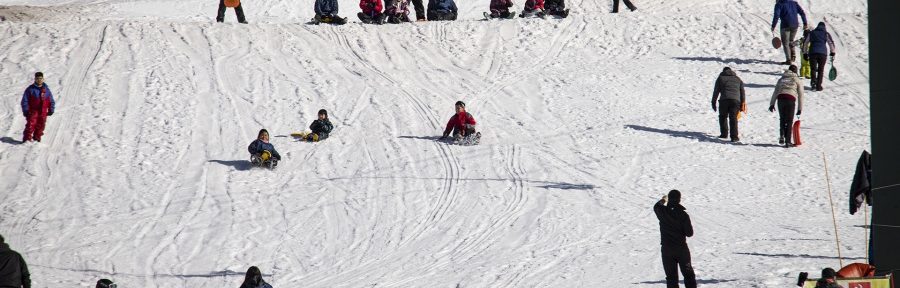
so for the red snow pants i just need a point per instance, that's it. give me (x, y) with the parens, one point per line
(34, 127)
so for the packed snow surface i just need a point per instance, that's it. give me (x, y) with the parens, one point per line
(143, 174)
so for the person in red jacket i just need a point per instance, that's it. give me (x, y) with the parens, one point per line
(37, 104)
(461, 124)
(533, 8)
(371, 11)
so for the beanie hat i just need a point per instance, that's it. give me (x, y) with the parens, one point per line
(674, 197)
(105, 283)
(323, 112)
(828, 273)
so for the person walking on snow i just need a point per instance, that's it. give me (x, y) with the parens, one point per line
(13, 270)
(818, 44)
(787, 11)
(461, 124)
(627, 4)
(253, 279)
(674, 228)
(730, 86)
(37, 104)
(439, 10)
(220, 16)
(788, 91)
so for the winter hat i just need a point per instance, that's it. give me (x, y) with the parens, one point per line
(323, 112)
(828, 273)
(105, 283)
(674, 197)
(261, 131)
(726, 69)
(793, 68)
(461, 103)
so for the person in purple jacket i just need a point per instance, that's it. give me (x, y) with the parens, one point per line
(37, 104)
(787, 11)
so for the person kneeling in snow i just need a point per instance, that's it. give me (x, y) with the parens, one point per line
(439, 10)
(461, 124)
(263, 152)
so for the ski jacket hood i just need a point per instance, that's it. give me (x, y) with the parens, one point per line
(789, 84)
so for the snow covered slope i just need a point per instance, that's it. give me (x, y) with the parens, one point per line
(143, 175)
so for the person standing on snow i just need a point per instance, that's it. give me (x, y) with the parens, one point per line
(674, 228)
(787, 11)
(220, 16)
(730, 86)
(788, 91)
(439, 10)
(627, 4)
(37, 104)
(461, 124)
(818, 44)
(253, 279)
(13, 270)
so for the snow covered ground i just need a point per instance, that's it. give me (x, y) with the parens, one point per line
(143, 175)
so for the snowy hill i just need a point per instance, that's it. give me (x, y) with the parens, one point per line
(142, 176)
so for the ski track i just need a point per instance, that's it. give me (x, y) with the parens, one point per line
(143, 176)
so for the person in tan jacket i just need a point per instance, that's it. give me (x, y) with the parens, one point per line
(789, 95)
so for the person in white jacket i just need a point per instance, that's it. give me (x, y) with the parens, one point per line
(789, 95)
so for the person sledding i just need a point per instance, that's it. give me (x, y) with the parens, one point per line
(442, 10)
(462, 126)
(327, 12)
(500, 9)
(371, 12)
(556, 8)
(263, 153)
(320, 127)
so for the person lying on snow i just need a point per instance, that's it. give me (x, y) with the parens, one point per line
(262, 151)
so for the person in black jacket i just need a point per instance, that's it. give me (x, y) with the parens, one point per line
(828, 279)
(730, 86)
(253, 279)
(674, 228)
(13, 270)
(320, 127)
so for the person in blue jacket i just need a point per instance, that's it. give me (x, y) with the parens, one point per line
(787, 11)
(439, 10)
(818, 44)
(260, 145)
(327, 12)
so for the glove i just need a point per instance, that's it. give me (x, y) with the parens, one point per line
(806, 57)
(772, 108)
(714, 107)
(49, 113)
(798, 112)
(831, 54)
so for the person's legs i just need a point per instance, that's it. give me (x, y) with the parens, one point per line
(684, 263)
(615, 6)
(723, 119)
(420, 9)
(732, 119)
(629, 5)
(670, 266)
(786, 116)
(30, 121)
(240, 14)
(787, 36)
(220, 15)
(39, 127)
(818, 69)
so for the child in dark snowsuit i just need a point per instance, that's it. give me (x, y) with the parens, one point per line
(556, 8)
(500, 8)
(439, 10)
(320, 128)
(327, 12)
(371, 11)
(262, 152)
(397, 11)
(533, 7)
